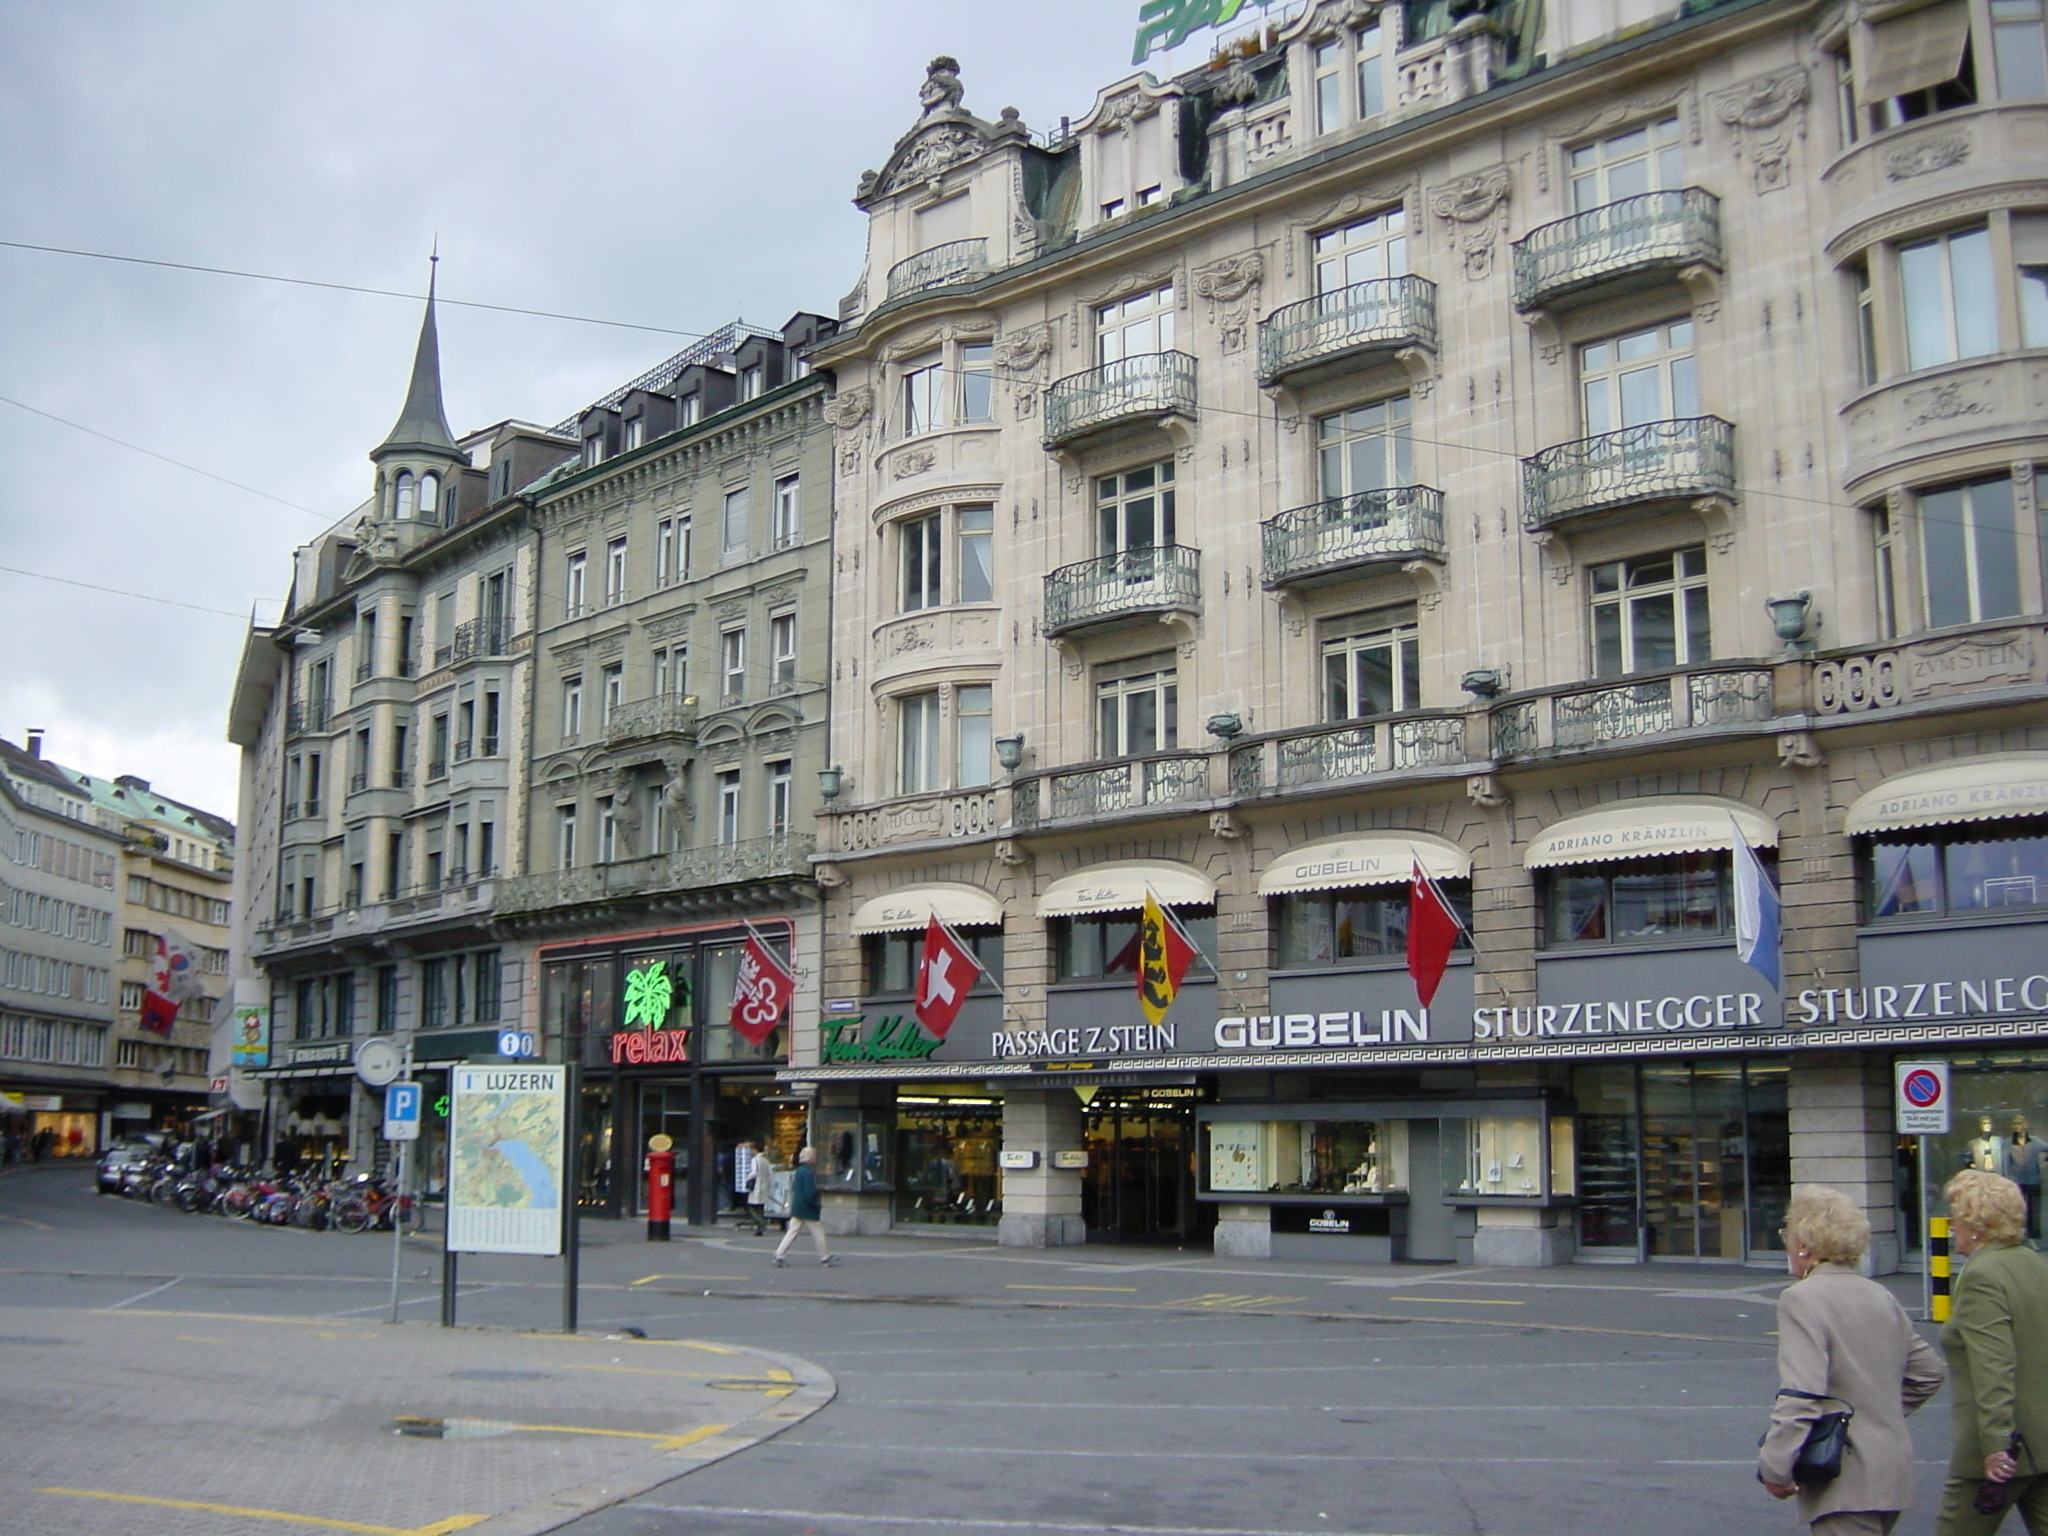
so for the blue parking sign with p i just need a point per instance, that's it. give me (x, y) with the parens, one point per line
(402, 1103)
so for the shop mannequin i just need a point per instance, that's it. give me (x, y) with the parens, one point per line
(2024, 1157)
(1987, 1151)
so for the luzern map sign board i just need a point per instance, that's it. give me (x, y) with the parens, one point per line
(506, 1143)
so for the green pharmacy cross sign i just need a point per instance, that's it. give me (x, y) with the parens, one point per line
(1168, 23)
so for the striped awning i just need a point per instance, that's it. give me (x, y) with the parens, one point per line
(1647, 829)
(1380, 859)
(1975, 789)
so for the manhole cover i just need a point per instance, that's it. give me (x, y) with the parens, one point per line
(500, 1376)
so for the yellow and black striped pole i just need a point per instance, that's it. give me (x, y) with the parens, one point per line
(1937, 1269)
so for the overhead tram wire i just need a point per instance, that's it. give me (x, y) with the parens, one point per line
(147, 597)
(309, 282)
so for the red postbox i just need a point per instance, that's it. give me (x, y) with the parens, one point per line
(661, 1187)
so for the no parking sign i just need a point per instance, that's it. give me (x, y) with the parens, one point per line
(1922, 1098)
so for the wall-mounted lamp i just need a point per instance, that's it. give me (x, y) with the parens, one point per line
(1484, 682)
(830, 781)
(1791, 616)
(1224, 727)
(1010, 751)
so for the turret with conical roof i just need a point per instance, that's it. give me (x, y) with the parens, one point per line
(417, 461)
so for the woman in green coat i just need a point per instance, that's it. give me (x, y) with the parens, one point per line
(1996, 1341)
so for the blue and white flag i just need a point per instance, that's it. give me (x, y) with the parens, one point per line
(1756, 913)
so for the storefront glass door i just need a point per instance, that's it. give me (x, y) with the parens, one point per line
(1140, 1181)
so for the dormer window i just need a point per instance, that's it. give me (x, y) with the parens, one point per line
(636, 433)
(751, 378)
(1130, 163)
(689, 410)
(593, 450)
(1349, 75)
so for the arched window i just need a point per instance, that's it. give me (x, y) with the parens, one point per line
(430, 498)
(402, 503)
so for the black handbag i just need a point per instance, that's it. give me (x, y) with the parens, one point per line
(1827, 1440)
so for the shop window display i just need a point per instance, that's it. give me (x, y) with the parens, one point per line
(1361, 923)
(1307, 1157)
(1493, 1155)
(1940, 870)
(946, 1161)
(1999, 1123)
(1686, 894)
(853, 1148)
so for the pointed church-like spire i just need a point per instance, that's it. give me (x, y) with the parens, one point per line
(423, 424)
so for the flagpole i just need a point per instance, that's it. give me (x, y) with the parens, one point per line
(947, 929)
(1482, 963)
(1201, 954)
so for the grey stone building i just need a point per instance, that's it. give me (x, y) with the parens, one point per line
(1551, 445)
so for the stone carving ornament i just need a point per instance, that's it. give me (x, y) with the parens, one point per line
(1228, 285)
(1928, 156)
(1760, 115)
(941, 90)
(1472, 206)
(1020, 353)
(937, 149)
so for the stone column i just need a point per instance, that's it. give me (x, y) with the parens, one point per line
(1841, 1123)
(1041, 1205)
(1244, 1232)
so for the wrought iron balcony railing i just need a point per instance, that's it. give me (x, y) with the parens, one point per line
(957, 261)
(687, 869)
(308, 716)
(1132, 583)
(1147, 387)
(1651, 232)
(1171, 779)
(1627, 711)
(1652, 461)
(1404, 522)
(668, 714)
(1383, 315)
(1344, 752)
(479, 637)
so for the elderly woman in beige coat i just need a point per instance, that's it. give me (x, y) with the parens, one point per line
(1843, 1340)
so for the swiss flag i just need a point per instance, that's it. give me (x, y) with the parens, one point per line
(945, 971)
(761, 992)
(1433, 929)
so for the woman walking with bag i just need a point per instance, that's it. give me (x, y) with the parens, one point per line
(1996, 1341)
(1843, 1344)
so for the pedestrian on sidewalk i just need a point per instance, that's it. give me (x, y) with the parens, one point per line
(742, 1170)
(805, 1209)
(1996, 1340)
(756, 1195)
(1843, 1341)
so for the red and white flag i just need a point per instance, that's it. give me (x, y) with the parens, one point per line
(173, 979)
(1433, 930)
(945, 971)
(761, 992)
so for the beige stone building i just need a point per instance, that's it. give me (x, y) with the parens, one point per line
(1546, 444)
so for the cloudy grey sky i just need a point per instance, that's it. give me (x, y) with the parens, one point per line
(674, 163)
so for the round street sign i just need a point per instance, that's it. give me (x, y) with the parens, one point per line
(378, 1062)
(1923, 1100)
(1921, 1088)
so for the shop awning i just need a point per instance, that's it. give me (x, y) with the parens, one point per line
(1912, 52)
(1979, 789)
(1378, 860)
(1122, 887)
(963, 906)
(1646, 829)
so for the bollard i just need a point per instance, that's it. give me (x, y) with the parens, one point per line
(1937, 1268)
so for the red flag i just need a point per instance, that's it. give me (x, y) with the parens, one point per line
(945, 971)
(173, 977)
(1433, 928)
(761, 992)
(1164, 955)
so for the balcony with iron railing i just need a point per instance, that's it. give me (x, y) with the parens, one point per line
(1346, 535)
(667, 714)
(476, 638)
(1651, 463)
(1711, 697)
(1650, 236)
(1116, 589)
(957, 261)
(308, 717)
(1085, 794)
(685, 870)
(1137, 391)
(1359, 749)
(1347, 326)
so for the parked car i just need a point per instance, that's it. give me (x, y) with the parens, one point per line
(114, 1164)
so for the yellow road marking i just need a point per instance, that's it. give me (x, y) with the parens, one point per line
(1460, 1301)
(665, 1442)
(1070, 1288)
(650, 1279)
(40, 1226)
(234, 1317)
(1224, 1302)
(193, 1338)
(438, 1528)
